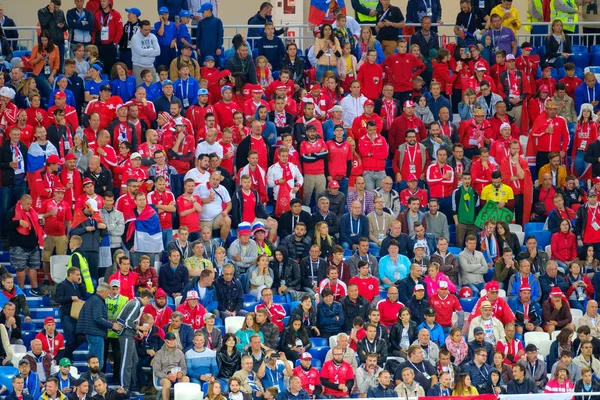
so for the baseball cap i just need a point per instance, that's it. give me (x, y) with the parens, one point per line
(179, 121)
(70, 156)
(510, 57)
(257, 89)
(115, 282)
(548, 67)
(409, 103)
(281, 87)
(412, 177)
(443, 285)
(163, 10)
(244, 229)
(203, 92)
(60, 95)
(478, 330)
(54, 159)
(479, 66)
(551, 104)
(333, 184)
(64, 362)
(419, 246)
(335, 108)
(525, 288)
(97, 67)
(485, 304)
(209, 58)
(556, 291)
(49, 320)
(79, 381)
(472, 46)
(526, 46)
(135, 155)
(369, 103)
(59, 188)
(592, 192)
(208, 315)
(306, 356)
(87, 181)
(104, 87)
(192, 295)
(170, 336)
(24, 361)
(135, 11)
(429, 312)
(316, 86)
(418, 287)
(544, 89)
(491, 285)
(505, 125)
(167, 82)
(226, 87)
(206, 7)
(185, 14)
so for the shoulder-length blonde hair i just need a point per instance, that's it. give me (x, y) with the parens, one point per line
(551, 33)
(318, 238)
(371, 41)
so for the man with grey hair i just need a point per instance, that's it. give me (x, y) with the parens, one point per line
(250, 382)
(324, 214)
(391, 198)
(93, 322)
(379, 221)
(343, 342)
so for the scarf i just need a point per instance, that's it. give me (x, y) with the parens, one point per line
(489, 247)
(390, 112)
(31, 218)
(286, 172)
(459, 350)
(8, 294)
(258, 183)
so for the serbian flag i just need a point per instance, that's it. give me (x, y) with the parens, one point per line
(80, 217)
(319, 9)
(146, 232)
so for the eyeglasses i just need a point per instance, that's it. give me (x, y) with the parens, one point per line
(493, 291)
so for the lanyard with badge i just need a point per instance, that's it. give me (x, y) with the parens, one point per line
(380, 235)
(594, 212)
(412, 167)
(428, 11)
(47, 69)
(104, 36)
(184, 96)
(424, 372)
(584, 136)
(352, 233)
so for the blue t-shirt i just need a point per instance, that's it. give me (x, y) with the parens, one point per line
(274, 377)
(187, 91)
(170, 33)
(183, 33)
(94, 87)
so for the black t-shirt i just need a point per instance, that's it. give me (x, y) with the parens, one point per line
(423, 373)
(392, 14)
(472, 21)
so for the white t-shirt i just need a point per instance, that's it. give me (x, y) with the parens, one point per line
(197, 176)
(488, 328)
(206, 148)
(211, 210)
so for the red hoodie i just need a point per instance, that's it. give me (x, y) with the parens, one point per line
(570, 85)
(400, 69)
(162, 317)
(370, 77)
(112, 21)
(443, 74)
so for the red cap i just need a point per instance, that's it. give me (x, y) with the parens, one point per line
(257, 89)
(54, 159)
(333, 184)
(412, 177)
(547, 68)
(306, 356)
(281, 87)
(369, 103)
(510, 57)
(87, 181)
(480, 66)
(49, 320)
(59, 188)
(316, 86)
(70, 156)
(544, 89)
(60, 95)
(525, 287)
(526, 48)
(492, 285)
(556, 291)
(596, 180)
(409, 103)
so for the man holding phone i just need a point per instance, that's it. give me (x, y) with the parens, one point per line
(389, 20)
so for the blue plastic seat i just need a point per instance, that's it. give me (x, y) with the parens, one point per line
(286, 321)
(543, 238)
(6, 375)
(27, 326)
(468, 304)
(561, 73)
(279, 299)
(383, 294)
(595, 48)
(319, 342)
(286, 307)
(538, 73)
(319, 353)
(249, 306)
(532, 226)
(580, 60)
(454, 250)
(542, 51)
(294, 304)
(276, 75)
(249, 297)
(579, 49)
(254, 53)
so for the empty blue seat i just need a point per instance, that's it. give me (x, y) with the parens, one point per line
(218, 321)
(249, 297)
(595, 58)
(383, 294)
(319, 353)
(595, 48)
(454, 250)
(249, 306)
(294, 304)
(286, 321)
(489, 275)
(6, 375)
(468, 304)
(543, 238)
(254, 53)
(27, 337)
(542, 51)
(221, 328)
(319, 342)
(579, 49)
(286, 307)
(279, 299)
(276, 75)
(561, 73)
(532, 226)
(580, 60)
(27, 326)
(347, 253)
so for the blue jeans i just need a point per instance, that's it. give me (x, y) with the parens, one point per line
(321, 69)
(96, 347)
(343, 186)
(10, 196)
(476, 288)
(43, 85)
(579, 163)
(167, 237)
(580, 305)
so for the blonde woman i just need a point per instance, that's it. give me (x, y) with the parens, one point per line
(323, 239)
(82, 151)
(558, 46)
(260, 277)
(367, 42)
(249, 329)
(357, 168)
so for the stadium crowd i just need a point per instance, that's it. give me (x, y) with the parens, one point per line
(384, 214)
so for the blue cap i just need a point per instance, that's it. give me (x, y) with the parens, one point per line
(167, 82)
(185, 14)
(203, 92)
(205, 7)
(163, 10)
(209, 58)
(135, 11)
(60, 77)
(97, 67)
(226, 87)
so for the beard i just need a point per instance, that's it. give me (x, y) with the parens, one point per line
(94, 370)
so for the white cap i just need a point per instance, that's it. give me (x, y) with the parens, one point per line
(443, 284)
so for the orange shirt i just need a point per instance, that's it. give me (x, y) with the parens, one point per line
(53, 60)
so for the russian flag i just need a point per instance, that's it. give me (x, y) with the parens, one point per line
(146, 232)
(320, 8)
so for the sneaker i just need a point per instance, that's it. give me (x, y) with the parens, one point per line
(36, 292)
(135, 393)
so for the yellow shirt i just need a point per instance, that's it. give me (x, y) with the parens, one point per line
(513, 22)
(503, 194)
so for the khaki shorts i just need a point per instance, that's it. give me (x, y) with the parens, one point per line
(59, 243)
(213, 224)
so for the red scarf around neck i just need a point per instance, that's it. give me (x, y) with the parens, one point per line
(31, 218)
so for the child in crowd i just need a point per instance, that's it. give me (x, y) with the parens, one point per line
(263, 72)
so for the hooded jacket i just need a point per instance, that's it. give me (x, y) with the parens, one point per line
(144, 49)
(165, 359)
(290, 271)
(237, 207)
(114, 23)
(45, 358)
(246, 67)
(209, 301)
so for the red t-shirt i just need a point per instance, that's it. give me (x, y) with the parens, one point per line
(318, 167)
(192, 220)
(128, 283)
(51, 345)
(444, 309)
(339, 155)
(367, 287)
(249, 212)
(55, 225)
(336, 374)
(126, 204)
(260, 146)
(164, 198)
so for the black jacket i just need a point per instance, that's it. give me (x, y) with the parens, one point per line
(228, 364)
(592, 154)
(76, 85)
(241, 155)
(230, 298)
(305, 270)
(93, 318)
(525, 387)
(15, 333)
(152, 342)
(112, 394)
(552, 48)
(11, 34)
(331, 219)
(6, 157)
(396, 336)
(417, 308)
(403, 240)
(297, 69)
(102, 182)
(27, 242)
(270, 333)
(406, 288)
(7, 50)
(246, 67)
(288, 339)
(352, 310)
(379, 346)
(49, 21)
(129, 30)
(289, 123)
(474, 345)
(290, 271)
(289, 243)
(424, 45)
(579, 388)
(237, 208)
(91, 240)
(64, 293)
(312, 317)
(58, 132)
(286, 226)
